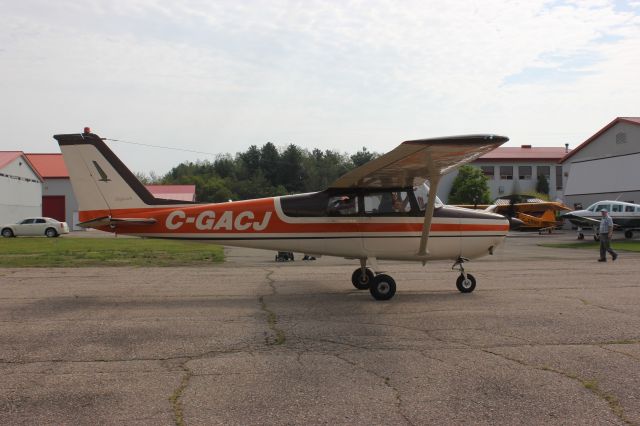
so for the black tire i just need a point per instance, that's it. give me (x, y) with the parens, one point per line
(383, 287)
(581, 236)
(358, 282)
(628, 234)
(7, 233)
(50, 233)
(466, 286)
(596, 237)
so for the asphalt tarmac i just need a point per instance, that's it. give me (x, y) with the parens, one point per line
(550, 336)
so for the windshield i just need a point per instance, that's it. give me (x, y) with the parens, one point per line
(422, 196)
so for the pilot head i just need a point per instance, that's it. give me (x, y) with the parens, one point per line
(604, 212)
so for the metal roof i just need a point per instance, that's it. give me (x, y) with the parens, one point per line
(632, 120)
(524, 153)
(49, 166)
(7, 157)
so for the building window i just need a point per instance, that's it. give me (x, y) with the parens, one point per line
(524, 172)
(545, 171)
(558, 177)
(506, 172)
(488, 172)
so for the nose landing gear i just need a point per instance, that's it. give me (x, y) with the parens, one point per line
(465, 283)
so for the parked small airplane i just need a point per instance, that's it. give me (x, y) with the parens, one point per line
(625, 216)
(532, 213)
(380, 210)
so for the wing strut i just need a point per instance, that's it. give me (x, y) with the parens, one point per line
(428, 216)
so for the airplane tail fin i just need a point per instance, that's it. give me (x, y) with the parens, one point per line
(100, 181)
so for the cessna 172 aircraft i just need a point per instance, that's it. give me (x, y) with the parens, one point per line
(625, 216)
(380, 210)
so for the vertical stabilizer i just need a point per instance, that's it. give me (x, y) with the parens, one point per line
(99, 179)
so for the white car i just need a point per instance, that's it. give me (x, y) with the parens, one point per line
(35, 226)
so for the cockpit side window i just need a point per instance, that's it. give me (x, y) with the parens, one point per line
(422, 197)
(343, 205)
(388, 202)
(601, 207)
(616, 207)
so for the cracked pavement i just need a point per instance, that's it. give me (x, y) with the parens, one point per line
(549, 336)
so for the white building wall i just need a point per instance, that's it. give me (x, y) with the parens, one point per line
(63, 187)
(503, 187)
(606, 168)
(20, 192)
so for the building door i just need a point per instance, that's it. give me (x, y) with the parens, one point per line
(53, 207)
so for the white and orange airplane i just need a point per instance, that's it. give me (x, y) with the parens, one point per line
(380, 210)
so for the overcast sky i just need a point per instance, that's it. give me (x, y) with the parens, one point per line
(220, 76)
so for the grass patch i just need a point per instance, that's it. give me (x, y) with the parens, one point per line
(74, 252)
(616, 245)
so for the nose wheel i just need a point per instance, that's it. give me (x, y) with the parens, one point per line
(465, 283)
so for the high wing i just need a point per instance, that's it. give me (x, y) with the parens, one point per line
(414, 162)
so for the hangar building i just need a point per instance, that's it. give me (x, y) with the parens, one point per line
(606, 166)
(20, 187)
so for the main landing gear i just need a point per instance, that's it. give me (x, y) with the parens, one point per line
(383, 287)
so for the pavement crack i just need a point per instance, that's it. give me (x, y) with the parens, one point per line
(387, 382)
(277, 336)
(176, 396)
(590, 384)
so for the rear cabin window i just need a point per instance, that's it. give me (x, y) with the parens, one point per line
(305, 205)
(616, 208)
(628, 208)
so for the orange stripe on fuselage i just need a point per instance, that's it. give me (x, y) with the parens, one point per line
(256, 217)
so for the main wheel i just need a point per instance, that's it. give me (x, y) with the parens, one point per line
(360, 282)
(383, 287)
(628, 234)
(7, 233)
(466, 285)
(596, 237)
(50, 233)
(581, 236)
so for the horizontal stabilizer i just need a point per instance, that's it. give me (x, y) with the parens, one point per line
(115, 222)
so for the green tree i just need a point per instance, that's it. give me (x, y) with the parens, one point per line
(470, 187)
(542, 186)
(363, 156)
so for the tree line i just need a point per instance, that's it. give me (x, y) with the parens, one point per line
(262, 172)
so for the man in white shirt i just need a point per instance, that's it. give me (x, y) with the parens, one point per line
(606, 232)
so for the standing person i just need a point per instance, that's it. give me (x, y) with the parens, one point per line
(606, 232)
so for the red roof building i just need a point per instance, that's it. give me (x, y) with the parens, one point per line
(173, 192)
(50, 166)
(524, 153)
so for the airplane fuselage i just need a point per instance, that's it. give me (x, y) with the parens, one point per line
(265, 224)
